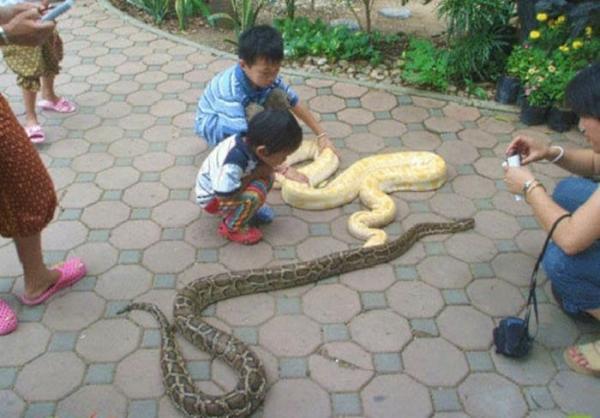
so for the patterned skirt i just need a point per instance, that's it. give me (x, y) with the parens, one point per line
(30, 63)
(27, 198)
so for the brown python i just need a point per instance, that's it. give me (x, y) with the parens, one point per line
(195, 297)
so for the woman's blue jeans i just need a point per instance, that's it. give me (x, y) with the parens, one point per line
(576, 278)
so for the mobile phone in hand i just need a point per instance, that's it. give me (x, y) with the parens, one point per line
(58, 10)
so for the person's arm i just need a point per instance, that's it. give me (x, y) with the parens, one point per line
(305, 115)
(575, 233)
(24, 27)
(572, 235)
(583, 162)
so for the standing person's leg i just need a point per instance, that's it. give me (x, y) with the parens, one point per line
(52, 55)
(27, 205)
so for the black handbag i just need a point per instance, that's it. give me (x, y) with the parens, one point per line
(511, 336)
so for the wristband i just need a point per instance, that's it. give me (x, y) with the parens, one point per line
(561, 153)
(321, 135)
(527, 185)
(537, 184)
(3, 36)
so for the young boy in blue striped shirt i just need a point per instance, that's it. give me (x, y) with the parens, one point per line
(233, 96)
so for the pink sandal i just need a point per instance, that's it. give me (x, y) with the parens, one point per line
(71, 271)
(8, 319)
(35, 134)
(61, 106)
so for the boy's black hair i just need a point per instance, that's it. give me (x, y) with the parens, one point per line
(276, 129)
(262, 41)
(583, 92)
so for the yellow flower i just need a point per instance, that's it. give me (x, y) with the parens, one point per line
(564, 48)
(561, 19)
(541, 17)
(588, 31)
(531, 71)
(534, 34)
(577, 44)
(552, 68)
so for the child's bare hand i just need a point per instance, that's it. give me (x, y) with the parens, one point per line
(325, 142)
(292, 174)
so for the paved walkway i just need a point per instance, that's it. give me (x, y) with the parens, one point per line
(411, 338)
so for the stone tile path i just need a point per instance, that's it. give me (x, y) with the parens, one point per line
(411, 338)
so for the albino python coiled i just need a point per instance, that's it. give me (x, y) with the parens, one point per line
(370, 178)
(196, 296)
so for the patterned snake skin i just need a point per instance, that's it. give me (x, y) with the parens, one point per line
(195, 297)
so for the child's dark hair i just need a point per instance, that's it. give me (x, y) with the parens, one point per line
(583, 92)
(276, 129)
(262, 41)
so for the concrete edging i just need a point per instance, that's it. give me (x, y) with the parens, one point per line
(397, 90)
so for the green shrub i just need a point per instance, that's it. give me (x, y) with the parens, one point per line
(157, 9)
(479, 36)
(188, 8)
(245, 13)
(184, 9)
(425, 65)
(303, 37)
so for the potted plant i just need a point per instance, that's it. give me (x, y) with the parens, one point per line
(560, 72)
(537, 96)
(509, 84)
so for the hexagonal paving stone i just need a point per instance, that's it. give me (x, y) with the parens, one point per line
(356, 116)
(386, 395)
(22, 346)
(556, 330)
(179, 177)
(64, 235)
(108, 340)
(12, 405)
(513, 267)
(380, 331)
(444, 272)
(387, 128)
(453, 206)
(50, 377)
(410, 114)
(421, 140)
(98, 256)
(348, 90)
(575, 392)
(331, 303)
(496, 225)
(341, 366)
(246, 257)
(175, 213)
(443, 124)
(105, 214)
(375, 279)
(80, 195)
(474, 187)
(466, 327)
(287, 335)
(495, 297)
(246, 310)
(123, 282)
(315, 247)
(117, 178)
(297, 398)
(478, 138)
(145, 195)
(285, 230)
(458, 152)
(93, 398)
(136, 379)
(537, 369)
(326, 104)
(434, 362)
(378, 101)
(127, 147)
(73, 311)
(413, 299)
(488, 395)
(168, 257)
(461, 113)
(135, 235)
(471, 247)
(495, 126)
(365, 143)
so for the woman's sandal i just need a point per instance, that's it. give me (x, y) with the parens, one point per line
(8, 319)
(71, 271)
(584, 359)
(35, 134)
(63, 105)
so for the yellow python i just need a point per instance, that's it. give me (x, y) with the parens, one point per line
(372, 178)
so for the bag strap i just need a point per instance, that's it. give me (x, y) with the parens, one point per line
(532, 298)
